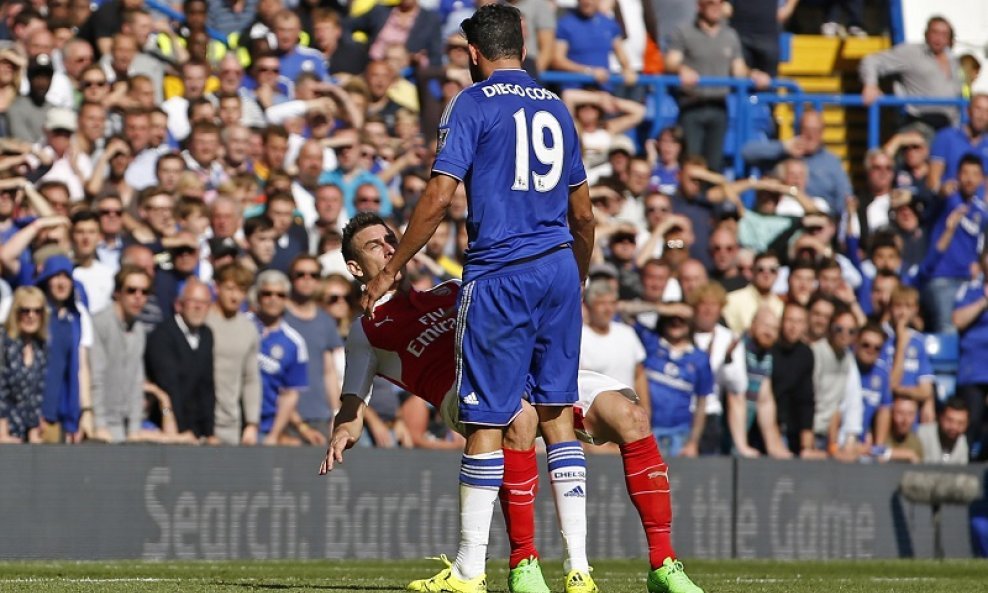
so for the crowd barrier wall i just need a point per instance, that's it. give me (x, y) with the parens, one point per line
(218, 503)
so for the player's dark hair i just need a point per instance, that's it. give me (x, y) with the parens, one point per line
(358, 223)
(495, 30)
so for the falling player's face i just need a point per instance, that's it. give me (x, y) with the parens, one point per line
(374, 247)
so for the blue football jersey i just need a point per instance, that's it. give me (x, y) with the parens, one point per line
(514, 146)
(876, 393)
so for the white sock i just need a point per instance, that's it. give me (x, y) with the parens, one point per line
(480, 479)
(568, 476)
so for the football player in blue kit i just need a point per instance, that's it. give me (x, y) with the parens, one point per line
(530, 224)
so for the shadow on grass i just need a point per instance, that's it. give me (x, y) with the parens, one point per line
(283, 587)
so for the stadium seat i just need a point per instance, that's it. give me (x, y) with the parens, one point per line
(943, 352)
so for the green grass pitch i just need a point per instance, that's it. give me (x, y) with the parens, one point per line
(729, 576)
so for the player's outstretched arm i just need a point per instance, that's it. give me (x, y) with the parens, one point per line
(581, 224)
(348, 427)
(428, 213)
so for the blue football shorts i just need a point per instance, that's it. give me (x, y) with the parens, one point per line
(519, 330)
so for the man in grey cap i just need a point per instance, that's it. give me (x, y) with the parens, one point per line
(27, 113)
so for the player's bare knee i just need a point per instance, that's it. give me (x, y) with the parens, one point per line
(520, 436)
(632, 423)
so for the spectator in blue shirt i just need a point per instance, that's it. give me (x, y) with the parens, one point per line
(876, 393)
(283, 356)
(827, 177)
(956, 237)
(950, 145)
(677, 371)
(971, 319)
(350, 175)
(296, 59)
(664, 154)
(910, 372)
(585, 38)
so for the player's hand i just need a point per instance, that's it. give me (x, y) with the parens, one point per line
(334, 454)
(374, 290)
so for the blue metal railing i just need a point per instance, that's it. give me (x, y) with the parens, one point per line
(799, 100)
(660, 85)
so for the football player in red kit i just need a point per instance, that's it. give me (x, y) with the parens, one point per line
(411, 341)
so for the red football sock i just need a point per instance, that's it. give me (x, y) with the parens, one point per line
(645, 474)
(517, 495)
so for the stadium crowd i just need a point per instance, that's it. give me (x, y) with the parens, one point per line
(173, 197)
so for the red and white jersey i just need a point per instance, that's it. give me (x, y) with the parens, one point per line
(410, 342)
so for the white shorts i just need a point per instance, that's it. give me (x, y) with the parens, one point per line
(590, 385)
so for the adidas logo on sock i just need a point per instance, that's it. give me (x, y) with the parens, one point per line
(577, 491)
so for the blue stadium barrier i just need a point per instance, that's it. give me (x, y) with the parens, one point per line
(897, 24)
(750, 113)
(740, 128)
(874, 110)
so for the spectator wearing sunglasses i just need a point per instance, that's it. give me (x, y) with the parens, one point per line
(169, 280)
(117, 358)
(836, 380)
(283, 356)
(865, 424)
(743, 303)
(911, 152)
(23, 351)
(317, 405)
(109, 247)
(622, 247)
(876, 199)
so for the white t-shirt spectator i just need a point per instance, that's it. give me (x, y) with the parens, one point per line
(615, 354)
(97, 279)
(729, 376)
